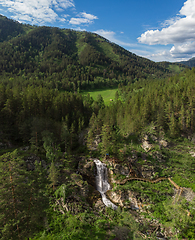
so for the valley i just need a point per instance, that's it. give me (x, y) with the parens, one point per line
(85, 125)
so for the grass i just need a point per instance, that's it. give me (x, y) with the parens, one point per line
(107, 94)
(176, 68)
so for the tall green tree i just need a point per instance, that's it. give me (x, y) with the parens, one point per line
(14, 196)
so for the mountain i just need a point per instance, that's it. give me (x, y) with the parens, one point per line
(74, 59)
(190, 62)
(10, 29)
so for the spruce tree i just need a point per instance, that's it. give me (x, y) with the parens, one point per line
(14, 196)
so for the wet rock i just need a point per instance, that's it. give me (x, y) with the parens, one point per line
(99, 205)
(117, 197)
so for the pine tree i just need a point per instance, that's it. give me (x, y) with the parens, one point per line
(65, 135)
(106, 139)
(53, 175)
(14, 196)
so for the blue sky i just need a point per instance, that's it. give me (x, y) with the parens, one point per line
(158, 30)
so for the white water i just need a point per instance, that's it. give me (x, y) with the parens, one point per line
(102, 182)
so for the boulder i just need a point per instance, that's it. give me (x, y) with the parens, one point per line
(146, 146)
(163, 143)
(117, 197)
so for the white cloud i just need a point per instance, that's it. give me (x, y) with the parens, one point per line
(78, 21)
(83, 18)
(110, 35)
(185, 49)
(88, 16)
(177, 53)
(36, 11)
(178, 31)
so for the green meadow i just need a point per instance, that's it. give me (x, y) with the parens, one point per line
(107, 94)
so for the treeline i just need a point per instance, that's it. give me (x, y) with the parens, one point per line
(26, 113)
(167, 104)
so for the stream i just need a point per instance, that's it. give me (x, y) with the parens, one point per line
(102, 183)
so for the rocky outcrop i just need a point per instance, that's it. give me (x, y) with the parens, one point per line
(83, 185)
(147, 170)
(149, 139)
(146, 145)
(30, 162)
(163, 143)
(115, 168)
(87, 169)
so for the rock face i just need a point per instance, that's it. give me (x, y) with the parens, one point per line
(84, 188)
(95, 143)
(115, 168)
(126, 199)
(147, 145)
(87, 169)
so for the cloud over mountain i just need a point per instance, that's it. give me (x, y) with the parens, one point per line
(45, 11)
(179, 31)
(83, 17)
(36, 11)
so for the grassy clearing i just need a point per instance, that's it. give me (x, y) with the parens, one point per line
(107, 94)
(176, 68)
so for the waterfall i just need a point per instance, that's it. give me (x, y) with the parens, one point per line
(102, 182)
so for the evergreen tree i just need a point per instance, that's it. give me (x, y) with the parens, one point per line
(14, 196)
(53, 175)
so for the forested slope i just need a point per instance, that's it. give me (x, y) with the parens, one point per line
(69, 60)
(190, 62)
(47, 138)
(168, 103)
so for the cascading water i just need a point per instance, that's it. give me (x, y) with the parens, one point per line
(102, 182)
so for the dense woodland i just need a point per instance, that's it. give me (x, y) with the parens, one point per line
(168, 103)
(44, 116)
(69, 60)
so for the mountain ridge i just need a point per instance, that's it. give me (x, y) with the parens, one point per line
(76, 59)
(189, 63)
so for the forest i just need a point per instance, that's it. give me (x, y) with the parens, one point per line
(50, 133)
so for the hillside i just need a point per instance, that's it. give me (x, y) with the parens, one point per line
(69, 59)
(190, 62)
(10, 29)
(51, 140)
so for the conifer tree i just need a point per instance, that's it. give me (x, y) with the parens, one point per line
(14, 196)
(53, 175)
